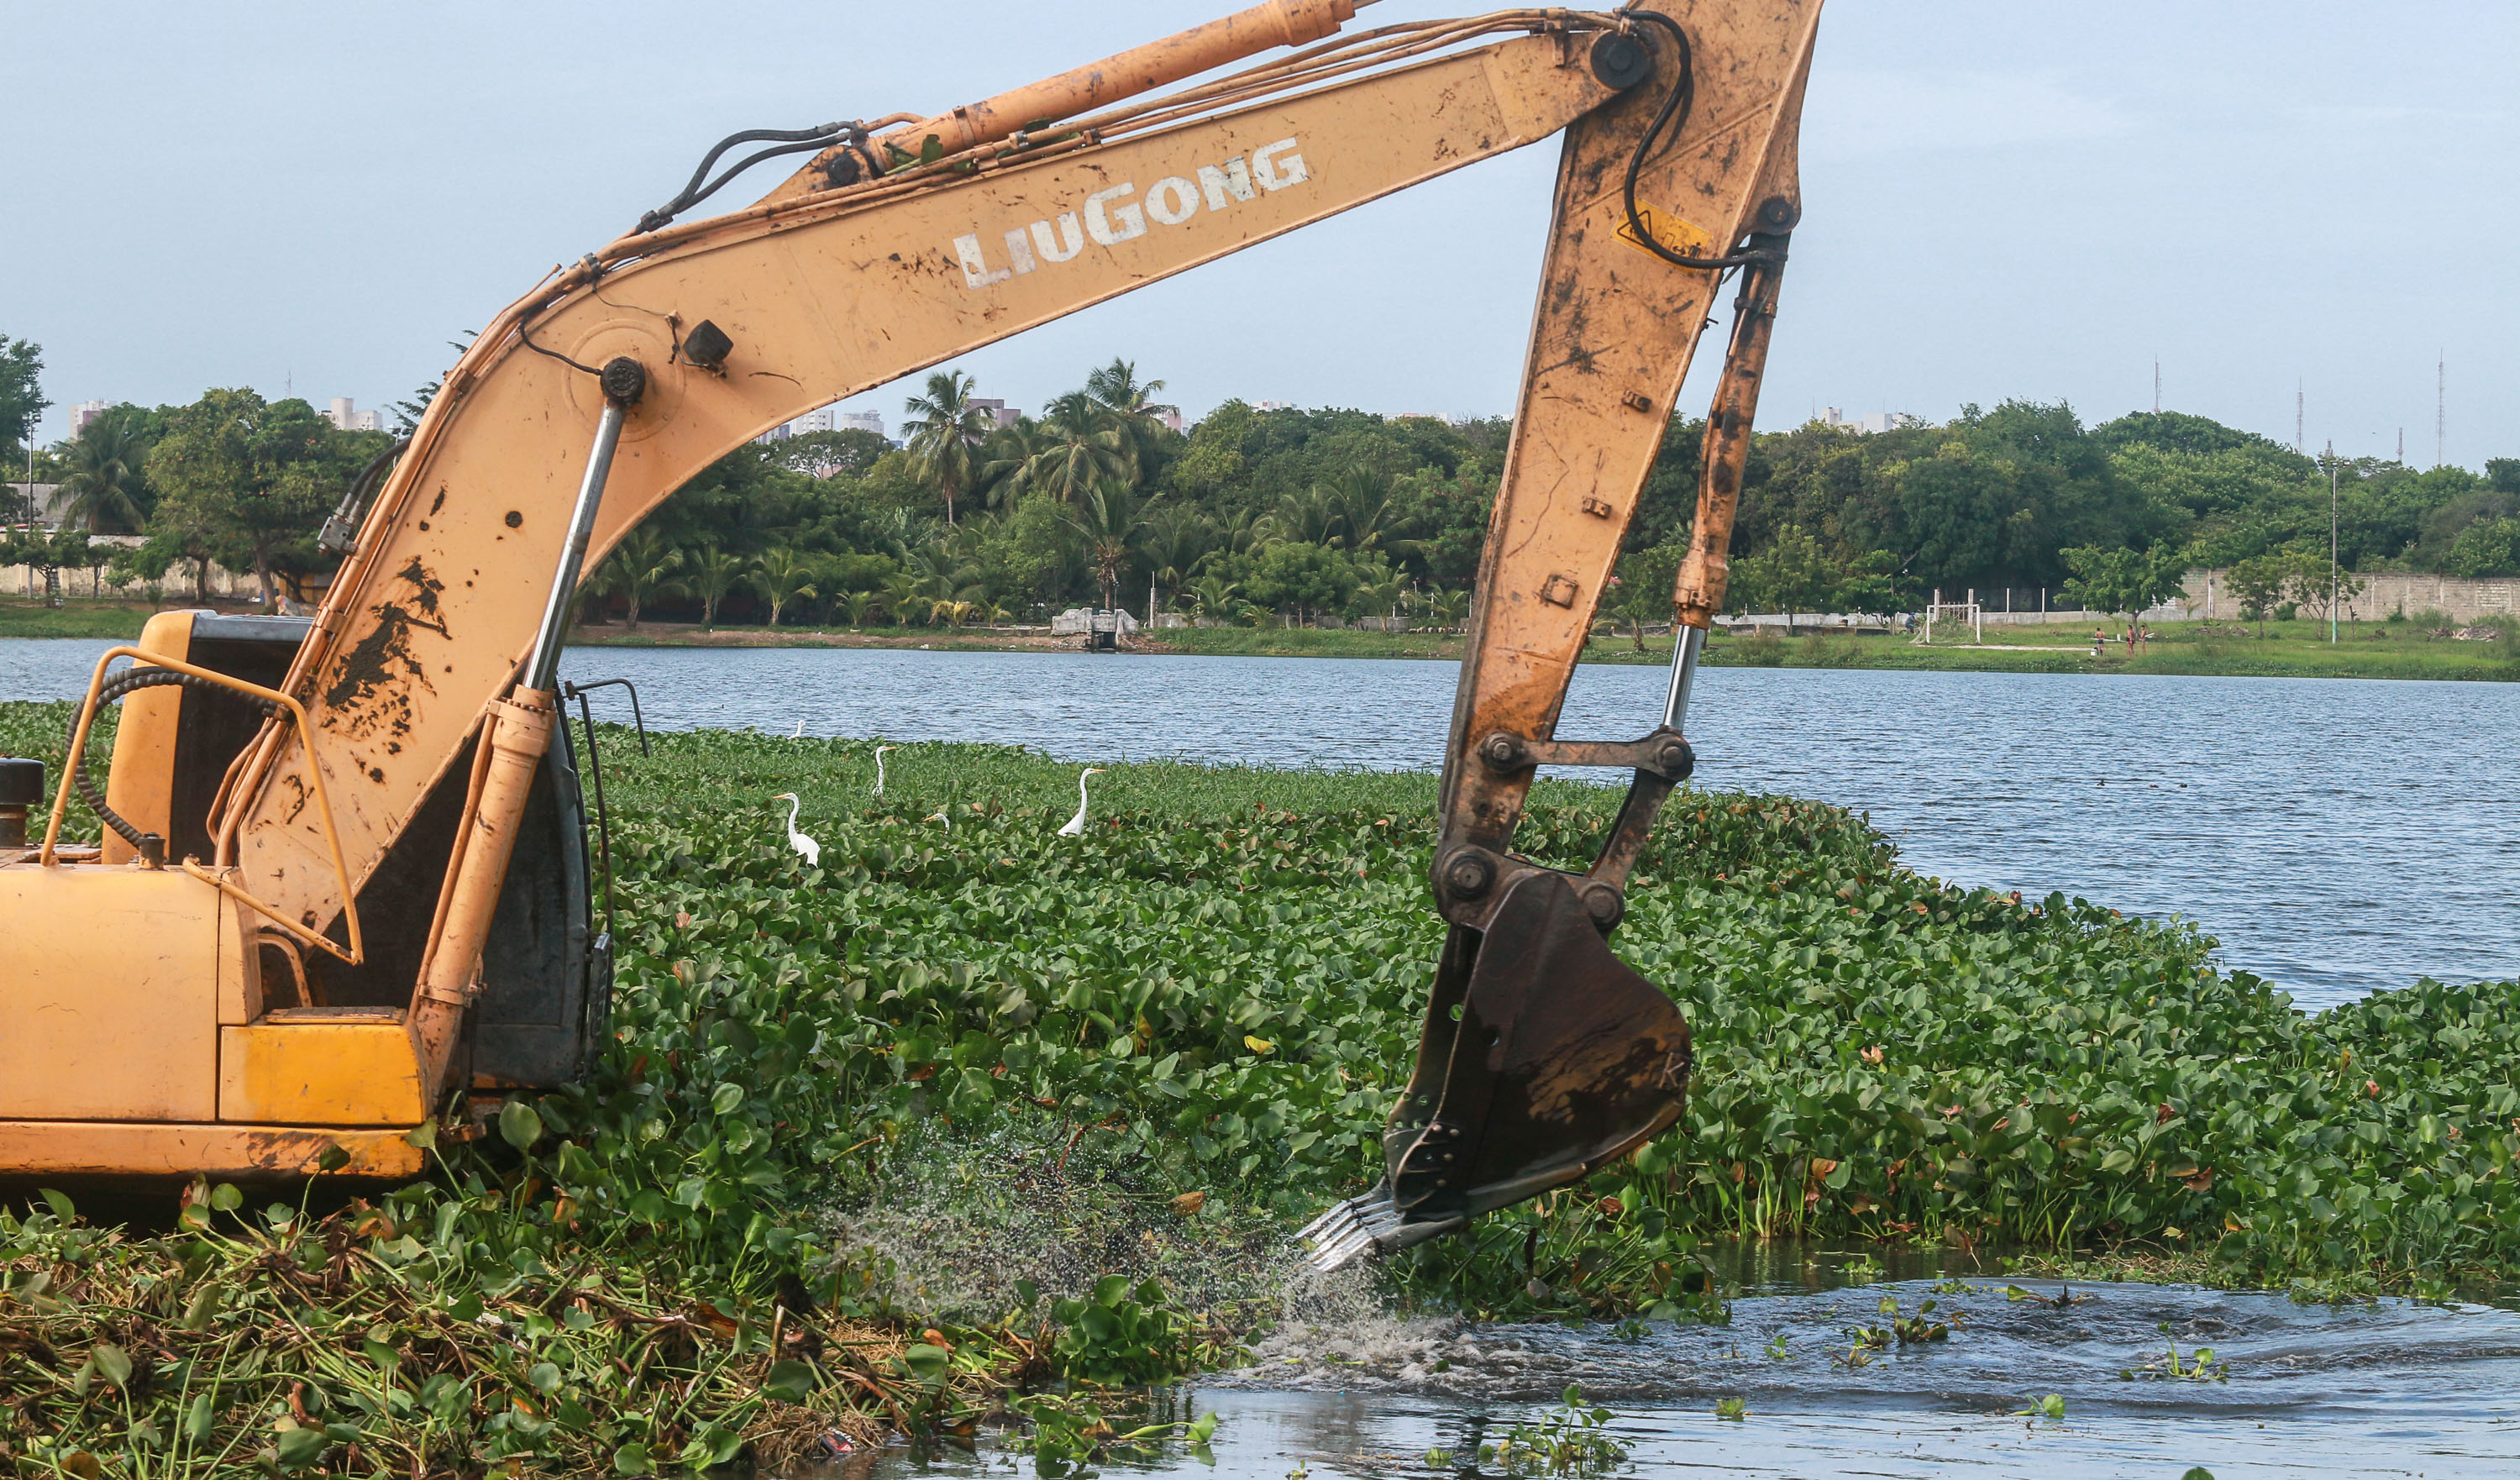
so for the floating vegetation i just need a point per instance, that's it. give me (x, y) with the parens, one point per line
(1570, 1439)
(2063, 1297)
(2050, 1407)
(1733, 1408)
(1063, 1432)
(1157, 1046)
(1903, 1331)
(2200, 1365)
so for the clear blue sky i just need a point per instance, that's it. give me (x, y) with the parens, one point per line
(2003, 200)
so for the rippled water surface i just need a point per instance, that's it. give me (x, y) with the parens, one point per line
(2391, 1388)
(2338, 835)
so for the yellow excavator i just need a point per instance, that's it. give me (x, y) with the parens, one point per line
(344, 877)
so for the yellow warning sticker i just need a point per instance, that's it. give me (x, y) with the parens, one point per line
(1675, 234)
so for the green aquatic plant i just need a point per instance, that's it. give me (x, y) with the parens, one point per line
(2199, 1365)
(1217, 988)
(1733, 1408)
(1062, 1433)
(1120, 1335)
(1570, 1439)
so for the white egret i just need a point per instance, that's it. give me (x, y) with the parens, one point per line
(807, 848)
(939, 817)
(1076, 824)
(800, 731)
(879, 768)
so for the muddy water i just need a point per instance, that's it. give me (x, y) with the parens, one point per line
(2390, 1388)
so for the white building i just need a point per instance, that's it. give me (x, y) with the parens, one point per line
(83, 412)
(859, 421)
(346, 415)
(1003, 414)
(1872, 425)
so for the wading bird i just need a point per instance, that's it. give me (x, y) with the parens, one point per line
(807, 848)
(939, 817)
(800, 731)
(879, 768)
(1076, 824)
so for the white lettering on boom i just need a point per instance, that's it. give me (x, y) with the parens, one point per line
(1111, 216)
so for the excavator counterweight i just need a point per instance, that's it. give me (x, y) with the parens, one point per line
(345, 876)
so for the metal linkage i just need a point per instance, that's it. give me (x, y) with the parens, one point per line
(579, 691)
(1470, 879)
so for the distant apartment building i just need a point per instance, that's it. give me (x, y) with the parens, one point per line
(346, 415)
(1171, 419)
(1273, 406)
(1003, 414)
(1872, 425)
(83, 412)
(825, 418)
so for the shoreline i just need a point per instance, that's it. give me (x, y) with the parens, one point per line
(2295, 650)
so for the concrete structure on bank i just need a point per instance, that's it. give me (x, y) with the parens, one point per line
(2462, 600)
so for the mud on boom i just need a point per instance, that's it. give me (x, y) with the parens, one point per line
(345, 875)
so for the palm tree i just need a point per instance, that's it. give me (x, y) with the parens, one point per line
(1450, 608)
(857, 603)
(1367, 518)
(641, 569)
(783, 576)
(902, 600)
(714, 573)
(1108, 519)
(1378, 593)
(944, 428)
(104, 485)
(1215, 595)
(934, 576)
(1084, 442)
(1241, 532)
(1309, 517)
(1116, 387)
(1177, 540)
(1003, 459)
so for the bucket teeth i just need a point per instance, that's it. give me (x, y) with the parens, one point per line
(1367, 1223)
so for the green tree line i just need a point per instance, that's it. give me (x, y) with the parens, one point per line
(1282, 515)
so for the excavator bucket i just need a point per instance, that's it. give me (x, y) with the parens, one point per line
(1543, 1057)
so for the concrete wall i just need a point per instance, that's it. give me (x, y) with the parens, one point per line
(2463, 600)
(28, 582)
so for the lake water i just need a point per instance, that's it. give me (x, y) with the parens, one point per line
(2385, 1389)
(2337, 836)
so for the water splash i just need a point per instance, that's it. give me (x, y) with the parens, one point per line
(956, 1220)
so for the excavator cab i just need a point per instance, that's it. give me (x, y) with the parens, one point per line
(545, 969)
(282, 1008)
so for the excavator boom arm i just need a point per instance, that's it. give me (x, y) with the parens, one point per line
(818, 299)
(901, 245)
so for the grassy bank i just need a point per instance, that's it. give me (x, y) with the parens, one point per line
(75, 617)
(867, 1126)
(2286, 649)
